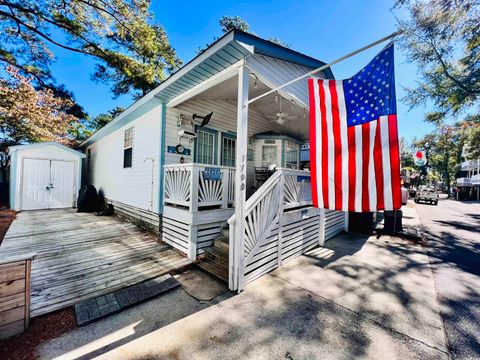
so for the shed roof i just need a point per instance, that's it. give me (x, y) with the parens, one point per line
(12, 149)
(226, 51)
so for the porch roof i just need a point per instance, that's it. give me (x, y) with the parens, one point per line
(223, 53)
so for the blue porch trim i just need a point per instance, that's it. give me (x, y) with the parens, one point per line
(161, 158)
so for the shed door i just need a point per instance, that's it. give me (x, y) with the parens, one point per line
(35, 182)
(62, 179)
(47, 184)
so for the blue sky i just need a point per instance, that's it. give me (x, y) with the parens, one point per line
(322, 29)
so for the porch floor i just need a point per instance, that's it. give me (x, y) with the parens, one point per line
(80, 256)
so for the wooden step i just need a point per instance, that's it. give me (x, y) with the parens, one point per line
(226, 231)
(221, 242)
(217, 255)
(220, 272)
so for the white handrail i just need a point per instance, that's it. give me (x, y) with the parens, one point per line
(266, 186)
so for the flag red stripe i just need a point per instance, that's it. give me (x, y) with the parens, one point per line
(365, 162)
(313, 143)
(337, 144)
(379, 167)
(351, 168)
(394, 161)
(325, 140)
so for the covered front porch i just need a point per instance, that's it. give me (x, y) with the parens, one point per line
(234, 181)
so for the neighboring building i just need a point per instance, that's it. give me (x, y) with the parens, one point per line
(468, 187)
(166, 163)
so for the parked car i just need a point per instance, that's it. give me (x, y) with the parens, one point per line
(426, 194)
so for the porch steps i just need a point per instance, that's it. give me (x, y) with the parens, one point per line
(222, 243)
(216, 259)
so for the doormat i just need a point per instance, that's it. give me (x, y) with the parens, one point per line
(102, 306)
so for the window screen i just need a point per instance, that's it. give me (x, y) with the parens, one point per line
(228, 151)
(269, 155)
(205, 147)
(292, 155)
(128, 148)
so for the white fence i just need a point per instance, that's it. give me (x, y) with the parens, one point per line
(279, 224)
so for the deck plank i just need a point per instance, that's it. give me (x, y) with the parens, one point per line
(80, 256)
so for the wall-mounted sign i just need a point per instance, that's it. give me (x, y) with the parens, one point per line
(301, 178)
(305, 152)
(212, 174)
(419, 158)
(173, 150)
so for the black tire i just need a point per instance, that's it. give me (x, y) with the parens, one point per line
(435, 203)
(416, 201)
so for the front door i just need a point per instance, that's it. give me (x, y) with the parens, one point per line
(35, 184)
(63, 181)
(47, 184)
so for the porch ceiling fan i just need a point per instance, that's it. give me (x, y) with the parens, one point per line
(281, 117)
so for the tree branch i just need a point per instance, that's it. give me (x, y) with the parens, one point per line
(447, 73)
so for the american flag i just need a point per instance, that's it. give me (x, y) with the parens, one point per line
(354, 154)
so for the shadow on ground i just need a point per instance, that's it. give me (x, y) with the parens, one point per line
(357, 297)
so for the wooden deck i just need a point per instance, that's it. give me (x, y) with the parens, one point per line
(80, 256)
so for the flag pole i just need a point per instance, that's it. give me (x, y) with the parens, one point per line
(323, 67)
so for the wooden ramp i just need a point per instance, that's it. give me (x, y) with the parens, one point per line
(80, 256)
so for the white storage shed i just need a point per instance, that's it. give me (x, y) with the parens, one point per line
(44, 176)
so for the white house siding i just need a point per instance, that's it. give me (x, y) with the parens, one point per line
(49, 152)
(129, 186)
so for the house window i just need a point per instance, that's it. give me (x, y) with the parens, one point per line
(292, 155)
(128, 148)
(228, 151)
(269, 155)
(206, 146)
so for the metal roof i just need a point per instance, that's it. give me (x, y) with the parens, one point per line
(223, 53)
(12, 149)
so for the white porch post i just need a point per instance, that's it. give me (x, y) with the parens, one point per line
(321, 228)
(241, 172)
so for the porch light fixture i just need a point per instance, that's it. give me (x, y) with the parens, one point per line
(205, 119)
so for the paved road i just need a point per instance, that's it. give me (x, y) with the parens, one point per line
(453, 230)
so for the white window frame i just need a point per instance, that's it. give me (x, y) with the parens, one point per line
(128, 138)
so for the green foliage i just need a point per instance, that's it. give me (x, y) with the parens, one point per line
(103, 119)
(449, 145)
(443, 38)
(228, 23)
(29, 115)
(132, 55)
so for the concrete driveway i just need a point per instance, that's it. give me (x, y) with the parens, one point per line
(356, 298)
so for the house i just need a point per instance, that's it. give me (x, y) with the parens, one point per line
(196, 162)
(469, 186)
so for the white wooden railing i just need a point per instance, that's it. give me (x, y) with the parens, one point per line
(284, 190)
(198, 187)
(470, 165)
(476, 179)
(465, 181)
